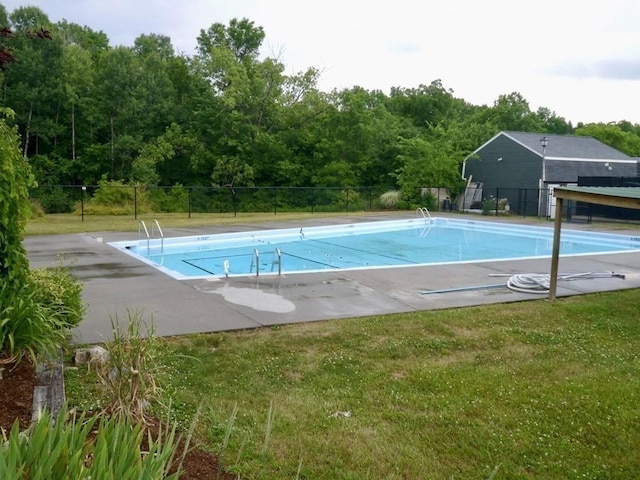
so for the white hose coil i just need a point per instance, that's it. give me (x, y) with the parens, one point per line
(529, 283)
(540, 282)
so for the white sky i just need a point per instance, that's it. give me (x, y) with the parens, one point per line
(579, 58)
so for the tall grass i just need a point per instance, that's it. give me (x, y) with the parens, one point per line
(130, 377)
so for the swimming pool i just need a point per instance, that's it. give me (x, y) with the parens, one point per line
(381, 244)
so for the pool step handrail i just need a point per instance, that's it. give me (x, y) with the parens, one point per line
(255, 258)
(424, 211)
(277, 259)
(155, 224)
(143, 226)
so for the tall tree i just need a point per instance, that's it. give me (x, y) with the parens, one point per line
(427, 163)
(116, 80)
(32, 84)
(512, 112)
(614, 136)
(245, 95)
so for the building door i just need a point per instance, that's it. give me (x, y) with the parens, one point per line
(551, 201)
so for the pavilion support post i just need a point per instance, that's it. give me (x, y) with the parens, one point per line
(553, 276)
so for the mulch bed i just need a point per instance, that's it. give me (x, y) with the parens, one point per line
(16, 393)
(16, 403)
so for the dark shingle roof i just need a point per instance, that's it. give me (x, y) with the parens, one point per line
(567, 171)
(567, 146)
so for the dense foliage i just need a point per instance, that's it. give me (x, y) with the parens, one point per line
(33, 314)
(15, 180)
(228, 116)
(60, 292)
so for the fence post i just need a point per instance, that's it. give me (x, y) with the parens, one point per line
(135, 202)
(84, 189)
(275, 200)
(235, 204)
(189, 200)
(347, 199)
(497, 199)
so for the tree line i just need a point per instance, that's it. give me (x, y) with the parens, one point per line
(88, 112)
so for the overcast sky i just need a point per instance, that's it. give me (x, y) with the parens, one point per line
(579, 58)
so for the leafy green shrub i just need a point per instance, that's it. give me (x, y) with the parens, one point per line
(108, 448)
(348, 196)
(488, 205)
(115, 198)
(36, 209)
(390, 199)
(56, 200)
(56, 288)
(26, 325)
(175, 199)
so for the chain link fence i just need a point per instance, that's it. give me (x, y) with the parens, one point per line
(114, 199)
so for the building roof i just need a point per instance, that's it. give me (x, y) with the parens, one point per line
(570, 171)
(627, 197)
(566, 146)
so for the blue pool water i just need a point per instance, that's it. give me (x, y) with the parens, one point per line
(396, 243)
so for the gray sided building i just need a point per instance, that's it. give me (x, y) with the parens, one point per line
(525, 167)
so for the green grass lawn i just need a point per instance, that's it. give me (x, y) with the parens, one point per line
(52, 224)
(535, 390)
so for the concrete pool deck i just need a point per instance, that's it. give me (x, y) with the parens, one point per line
(115, 283)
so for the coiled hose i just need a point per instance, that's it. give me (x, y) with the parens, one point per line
(529, 283)
(540, 282)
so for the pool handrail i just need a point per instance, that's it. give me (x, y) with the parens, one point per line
(256, 257)
(277, 258)
(144, 226)
(153, 225)
(424, 212)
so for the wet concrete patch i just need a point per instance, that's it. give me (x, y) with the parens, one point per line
(107, 270)
(252, 298)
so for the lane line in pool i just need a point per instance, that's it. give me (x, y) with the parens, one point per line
(382, 255)
(311, 260)
(198, 267)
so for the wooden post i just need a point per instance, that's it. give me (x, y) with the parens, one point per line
(556, 250)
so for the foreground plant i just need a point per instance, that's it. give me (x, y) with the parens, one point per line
(56, 288)
(26, 325)
(15, 181)
(98, 447)
(130, 376)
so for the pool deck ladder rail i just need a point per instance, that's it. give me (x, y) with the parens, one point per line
(255, 260)
(154, 225)
(424, 212)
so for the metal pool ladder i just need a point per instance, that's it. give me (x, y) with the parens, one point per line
(424, 212)
(255, 260)
(427, 216)
(143, 227)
